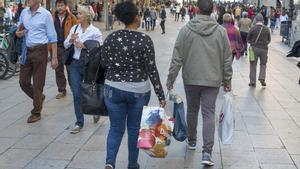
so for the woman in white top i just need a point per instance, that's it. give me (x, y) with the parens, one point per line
(78, 35)
(283, 17)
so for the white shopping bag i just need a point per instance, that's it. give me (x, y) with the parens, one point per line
(226, 120)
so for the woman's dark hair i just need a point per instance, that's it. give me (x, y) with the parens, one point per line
(126, 12)
(61, 1)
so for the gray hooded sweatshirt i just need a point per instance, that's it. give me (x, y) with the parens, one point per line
(203, 51)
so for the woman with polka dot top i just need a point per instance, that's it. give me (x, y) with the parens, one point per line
(129, 58)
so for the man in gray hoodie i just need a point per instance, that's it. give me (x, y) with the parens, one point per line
(203, 51)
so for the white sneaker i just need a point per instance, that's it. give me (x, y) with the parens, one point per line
(76, 129)
(108, 166)
(191, 145)
(206, 159)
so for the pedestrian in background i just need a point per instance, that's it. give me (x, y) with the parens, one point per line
(163, 16)
(36, 24)
(277, 16)
(177, 9)
(80, 33)
(8, 16)
(272, 20)
(153, 18)
(283, 17)
(259, 38)
(63, 22)
(191, 11)
(221, 12)
(238, 13)
(129, 58)
(234, 36)
(19, 11)
(2, 13)
(183, 13)
(202, 49)
(244, 26)
(147, 19)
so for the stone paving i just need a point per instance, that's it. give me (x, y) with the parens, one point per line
(267, 130)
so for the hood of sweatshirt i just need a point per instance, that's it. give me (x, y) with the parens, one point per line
(203, 25)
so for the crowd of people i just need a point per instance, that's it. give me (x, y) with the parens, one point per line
(10, 13)
(204, 49)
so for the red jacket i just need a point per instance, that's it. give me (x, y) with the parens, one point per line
(250, 13)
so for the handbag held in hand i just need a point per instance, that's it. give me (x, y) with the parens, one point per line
(92, 96)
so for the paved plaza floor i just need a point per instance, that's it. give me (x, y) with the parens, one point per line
(266, 136)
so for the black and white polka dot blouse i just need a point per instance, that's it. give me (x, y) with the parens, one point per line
(129, 56)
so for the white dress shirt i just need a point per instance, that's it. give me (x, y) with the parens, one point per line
(91, 33)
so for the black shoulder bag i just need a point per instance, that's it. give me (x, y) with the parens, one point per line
(92, 97)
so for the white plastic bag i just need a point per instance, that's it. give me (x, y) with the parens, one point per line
(226, 120)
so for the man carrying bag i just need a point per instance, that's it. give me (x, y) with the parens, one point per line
(259, 38)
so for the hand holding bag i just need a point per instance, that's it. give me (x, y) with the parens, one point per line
(180, 126)
(226, 120)
(251, 51)
(92, 97)
(68, 53)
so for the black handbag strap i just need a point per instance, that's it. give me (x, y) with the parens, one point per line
(76, 28)
(258, 36)
(96, 75)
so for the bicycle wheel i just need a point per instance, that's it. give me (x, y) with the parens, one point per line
(11, 71)
(4, 65)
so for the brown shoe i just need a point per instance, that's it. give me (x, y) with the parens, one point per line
(60, 95)
(34, 118)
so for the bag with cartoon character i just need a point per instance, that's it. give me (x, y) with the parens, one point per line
(155, 132)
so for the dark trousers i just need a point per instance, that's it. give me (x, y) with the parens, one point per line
(124, 109)
(244, 39)
(177, 16)
(61, 81)
(147, 25)
(182, 17)
(206, 97)
(153, 23)
(35, 69)
(162, 25)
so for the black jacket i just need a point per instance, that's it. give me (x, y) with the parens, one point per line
(163, 14)
(90, 59)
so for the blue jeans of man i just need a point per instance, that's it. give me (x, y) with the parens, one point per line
(124, 108)
(75, 81)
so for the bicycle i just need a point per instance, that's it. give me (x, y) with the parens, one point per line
(7, 68)
(4, 66)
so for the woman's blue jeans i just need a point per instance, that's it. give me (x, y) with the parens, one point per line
(124, 108)
(75, 81)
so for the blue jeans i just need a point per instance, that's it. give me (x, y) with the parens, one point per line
(75, 81)
(124, 108)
